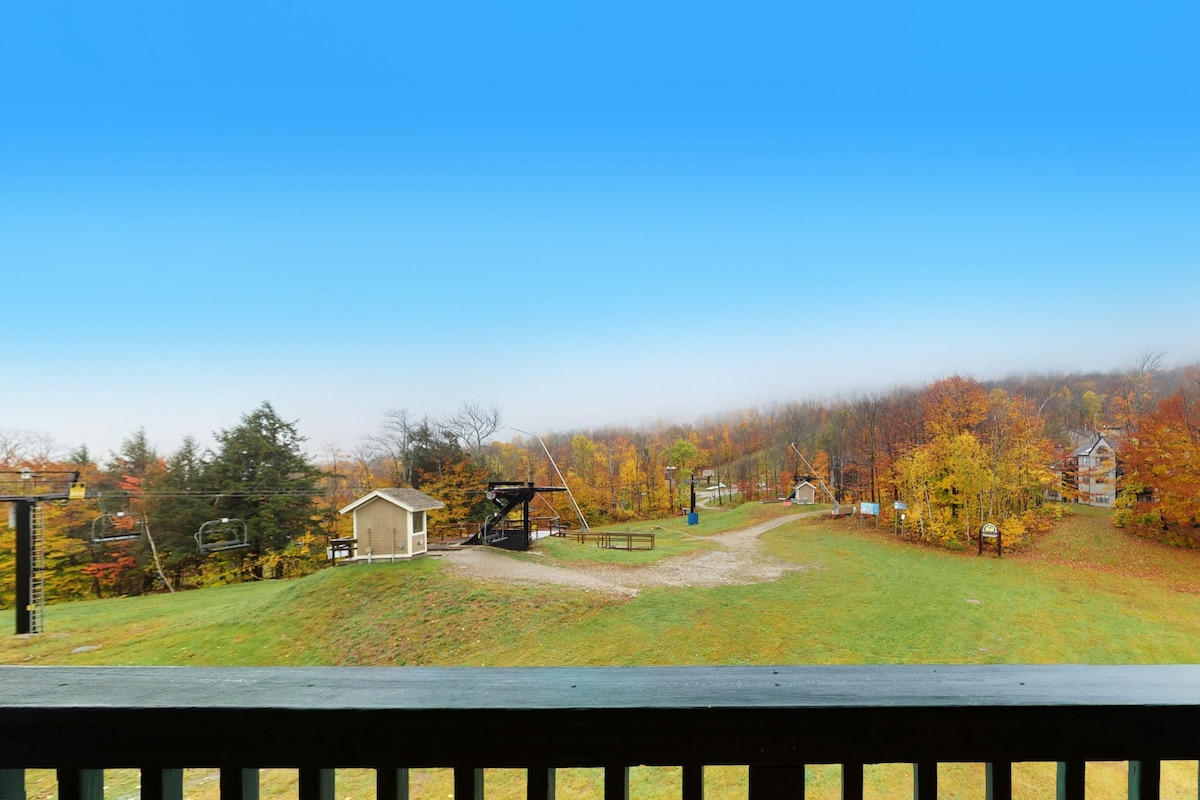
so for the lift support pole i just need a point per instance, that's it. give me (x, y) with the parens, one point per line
(24, 513)
(25, 488)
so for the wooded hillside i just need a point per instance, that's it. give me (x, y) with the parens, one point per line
(957, 452)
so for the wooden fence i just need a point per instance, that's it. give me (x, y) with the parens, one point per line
(612, 541)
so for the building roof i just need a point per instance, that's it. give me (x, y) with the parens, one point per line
(408, 499)
(1087, 447)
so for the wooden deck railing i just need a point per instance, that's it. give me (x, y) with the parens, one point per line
(80, 721)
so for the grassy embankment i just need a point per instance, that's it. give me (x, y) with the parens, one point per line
(1086, 593)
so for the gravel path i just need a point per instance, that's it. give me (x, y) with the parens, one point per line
(740, 561)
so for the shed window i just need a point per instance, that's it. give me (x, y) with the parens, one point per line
(418, 520)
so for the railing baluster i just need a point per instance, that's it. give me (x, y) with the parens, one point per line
(80, 784)
(616, 783)
(316, 783)
(540, 783)
(391, 784)
(239, 784)
(1071, 776)
(852, 781)
(162, 784)
(1144, 780)
(12, 784)
(693, 782)
(468, 783)
(776, 783)
(999, 780)
(925, 780)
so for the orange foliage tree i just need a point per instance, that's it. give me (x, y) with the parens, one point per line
(1161, 495)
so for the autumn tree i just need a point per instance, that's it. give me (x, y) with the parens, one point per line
(983, 462)
(35, 449)
(461, 488)
(1020, 454)
(177, 508)
(472, 425)
(953, 405)
(1137, 391)
(266, 478)
(1161, 496)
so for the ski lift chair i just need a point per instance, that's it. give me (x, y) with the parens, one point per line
(227, 533)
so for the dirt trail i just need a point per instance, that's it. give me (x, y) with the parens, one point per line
(740, 561)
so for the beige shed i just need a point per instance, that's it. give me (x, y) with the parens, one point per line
(803, 492)
(391, 524)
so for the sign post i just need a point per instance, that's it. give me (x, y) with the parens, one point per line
(990, 531)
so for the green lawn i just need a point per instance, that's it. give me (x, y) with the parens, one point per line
(1085, 593)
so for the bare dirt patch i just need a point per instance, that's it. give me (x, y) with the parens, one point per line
(739, 561)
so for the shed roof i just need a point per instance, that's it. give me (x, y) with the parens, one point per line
(409, 499)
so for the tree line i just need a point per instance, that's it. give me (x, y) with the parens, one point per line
(956, 453)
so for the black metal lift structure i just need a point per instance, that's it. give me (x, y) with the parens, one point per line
(500, 531)
(25, 489)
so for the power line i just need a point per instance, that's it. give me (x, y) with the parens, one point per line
(213, 493)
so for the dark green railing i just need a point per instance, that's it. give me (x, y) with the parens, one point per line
(80, 721)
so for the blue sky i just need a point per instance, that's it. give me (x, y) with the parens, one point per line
(586, 213)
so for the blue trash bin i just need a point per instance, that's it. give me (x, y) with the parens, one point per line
(693, 518)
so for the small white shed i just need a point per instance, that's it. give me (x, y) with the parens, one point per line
(803, 492)
(391, 524)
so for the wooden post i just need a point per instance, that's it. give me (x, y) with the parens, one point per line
(239, 784)
(80, 784)
(12, 784)
(1144, 780)
(162, 784)
(1070, 782)
(999, 780)
(852, 781)
(468, 783)
(316, 784)
(776, 783)
(540, 783)
(925, 780)
(391, 784)
(693, 782)
(616, 783)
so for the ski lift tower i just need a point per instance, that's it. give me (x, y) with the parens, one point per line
(25, 489)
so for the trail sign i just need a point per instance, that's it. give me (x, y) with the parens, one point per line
(990, 531)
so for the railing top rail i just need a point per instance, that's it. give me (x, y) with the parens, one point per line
(514, 688)
(345, 716)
